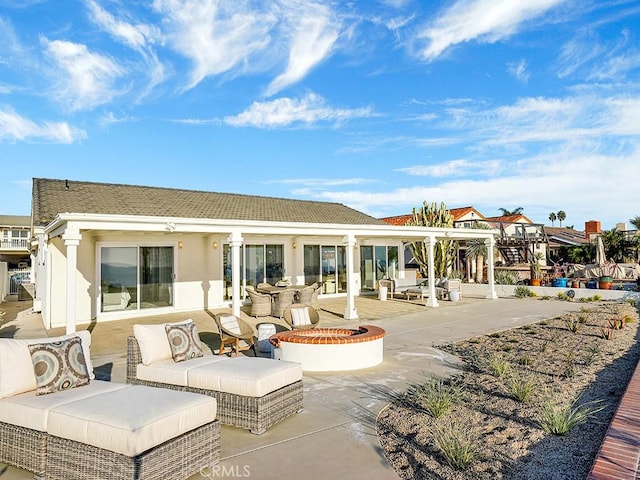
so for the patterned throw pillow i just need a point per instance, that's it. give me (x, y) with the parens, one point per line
(184, 341)
(59, 365)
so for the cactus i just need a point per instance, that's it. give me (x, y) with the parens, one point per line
(432, 215)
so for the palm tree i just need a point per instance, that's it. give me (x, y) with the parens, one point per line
(516, 211)
(635, 221)
(561, 216)
(552, 217)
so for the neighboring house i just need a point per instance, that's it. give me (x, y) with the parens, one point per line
(107, 251)
(15, 232)
(520, 239)
(561, 238)
(15, 242)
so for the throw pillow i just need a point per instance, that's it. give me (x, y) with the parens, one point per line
(300, 317)
(152, 340)
(59, 365)
(230, 323)
(184, 341)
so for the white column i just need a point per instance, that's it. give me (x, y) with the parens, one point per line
(235, 242)
(71, 239)
(350, 311)
(430, 243)
(490, 243)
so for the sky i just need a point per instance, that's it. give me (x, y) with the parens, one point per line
(381, 105)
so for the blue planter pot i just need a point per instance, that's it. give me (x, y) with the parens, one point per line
(559, 282)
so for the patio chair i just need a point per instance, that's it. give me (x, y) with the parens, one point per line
(233, 329)
(260, 304)
(301, 317)
(304, 294)
(263, 285)
(281, 300)
(309, 295)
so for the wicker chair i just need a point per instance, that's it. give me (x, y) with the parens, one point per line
(281, 300)
(260, 304)
(287, 316)
(231, 335)
(263, 285)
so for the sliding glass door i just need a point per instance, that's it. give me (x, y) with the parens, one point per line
(258, 263)
(377, 262)
(136, 277)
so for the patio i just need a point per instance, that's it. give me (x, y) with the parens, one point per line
(338, 423)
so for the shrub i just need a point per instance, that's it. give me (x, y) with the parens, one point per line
(520, 386)
(505, 277)
(498, 366)
(523, 292)
(558, 419)
(573, 324)
(435, 396)
(457, 443)
(525, 361)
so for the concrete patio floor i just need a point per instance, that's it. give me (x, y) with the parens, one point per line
(335, 436)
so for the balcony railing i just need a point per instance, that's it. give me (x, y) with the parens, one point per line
(14, 244)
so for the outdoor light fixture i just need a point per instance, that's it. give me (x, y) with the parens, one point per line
(180, 244)
(215, 244)
(293, 244)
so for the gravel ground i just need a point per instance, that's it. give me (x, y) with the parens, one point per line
(556, 362)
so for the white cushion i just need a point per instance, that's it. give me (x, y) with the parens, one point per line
(230, 322)
(246, 376)
(16, 367)
(29, 410)
(174, 373)
(131, 420)
(153, 342)
(300, 316)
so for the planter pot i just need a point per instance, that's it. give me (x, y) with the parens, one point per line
(535, 282)
(575, 284)
(559, 282)
(592, 284)
(605, 283)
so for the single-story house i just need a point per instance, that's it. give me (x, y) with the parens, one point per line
(108, 251)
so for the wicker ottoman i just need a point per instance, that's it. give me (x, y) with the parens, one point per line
(133, 433)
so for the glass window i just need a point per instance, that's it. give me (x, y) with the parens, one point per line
(118, 278)
(135, 277)
(312, 264)
(156, 277)
(262, 263)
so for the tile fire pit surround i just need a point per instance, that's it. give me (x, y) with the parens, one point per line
(331, 349)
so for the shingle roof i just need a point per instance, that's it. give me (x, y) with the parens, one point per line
(15, 220)
(51, 197)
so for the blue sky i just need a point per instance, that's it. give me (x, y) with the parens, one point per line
(380, 105)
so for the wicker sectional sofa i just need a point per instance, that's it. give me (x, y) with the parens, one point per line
(101, 429)
(252, 393)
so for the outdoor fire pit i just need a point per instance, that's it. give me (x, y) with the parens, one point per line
(331, 349)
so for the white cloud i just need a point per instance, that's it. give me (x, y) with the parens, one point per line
(86, 79)
(315, 31)
(217, 36)
(519, 70)
(135, 36)
(482, 20)
(453, 168)
(138, 36)
(283, 112)
(14, 127)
